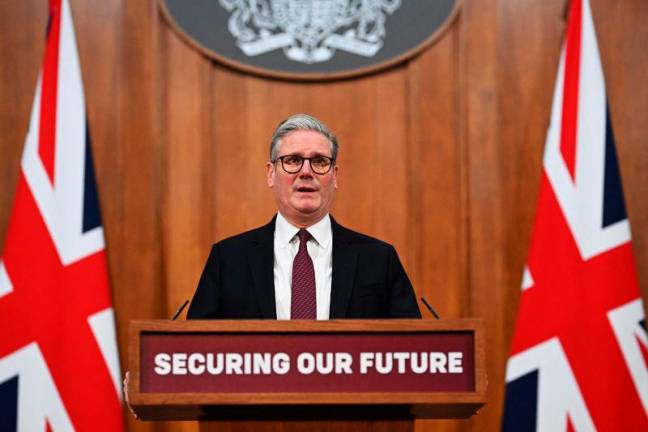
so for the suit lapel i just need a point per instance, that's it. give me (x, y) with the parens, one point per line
(344, 266)
(261, 259)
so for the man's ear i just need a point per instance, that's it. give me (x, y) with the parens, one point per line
(270, 172)
(335, 173)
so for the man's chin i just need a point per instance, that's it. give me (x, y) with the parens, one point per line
(307, 206)
(304, 215)
(307, 210)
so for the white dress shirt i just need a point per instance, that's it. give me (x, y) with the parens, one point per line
(320, 249)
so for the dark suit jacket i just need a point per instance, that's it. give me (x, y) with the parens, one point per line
(368, 280)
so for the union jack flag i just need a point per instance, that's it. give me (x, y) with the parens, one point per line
(580, 349)
(59, 367)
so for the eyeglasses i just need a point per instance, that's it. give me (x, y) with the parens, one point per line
(292, 164)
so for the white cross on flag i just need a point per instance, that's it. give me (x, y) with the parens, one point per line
(580, 350)
(59, 368)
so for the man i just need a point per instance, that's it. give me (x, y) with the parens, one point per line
(303, 264)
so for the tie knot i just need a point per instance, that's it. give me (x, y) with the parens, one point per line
(303, 235)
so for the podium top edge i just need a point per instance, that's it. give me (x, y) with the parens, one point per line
(352, 325)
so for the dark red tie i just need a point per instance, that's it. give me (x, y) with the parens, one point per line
(302, 302)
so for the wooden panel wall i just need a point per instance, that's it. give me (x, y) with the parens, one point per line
(440, 156)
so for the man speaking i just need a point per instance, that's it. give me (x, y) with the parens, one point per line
(303, 264)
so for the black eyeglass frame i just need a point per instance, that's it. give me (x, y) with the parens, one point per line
(301, 165)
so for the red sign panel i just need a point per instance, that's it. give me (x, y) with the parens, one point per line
(295, 363)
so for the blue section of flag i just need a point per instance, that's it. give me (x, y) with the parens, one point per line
(91, 215)
(9, 405)
(521, 404)
(613, 203)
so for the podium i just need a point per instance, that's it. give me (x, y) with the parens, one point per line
(262, 375)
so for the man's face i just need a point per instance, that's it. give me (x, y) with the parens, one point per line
(304, 197)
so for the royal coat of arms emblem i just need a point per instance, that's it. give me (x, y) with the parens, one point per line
(309, 31)
(310, 39)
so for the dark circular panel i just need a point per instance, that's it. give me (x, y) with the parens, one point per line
(310, 39)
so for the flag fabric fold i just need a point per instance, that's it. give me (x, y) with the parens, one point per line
(59, 368)
(579, 355)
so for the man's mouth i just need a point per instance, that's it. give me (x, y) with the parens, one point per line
(306, 189)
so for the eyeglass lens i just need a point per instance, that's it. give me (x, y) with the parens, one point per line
(293, 163)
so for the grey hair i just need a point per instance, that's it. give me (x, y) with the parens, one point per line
(301, 122)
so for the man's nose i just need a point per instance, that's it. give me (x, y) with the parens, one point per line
(306, 169)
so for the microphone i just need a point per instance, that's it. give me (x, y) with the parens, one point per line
(430, 308)
(179, 311)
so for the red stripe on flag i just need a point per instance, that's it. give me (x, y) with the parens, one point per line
(570, 426)
(644, 350)
(49, 89)
(571, 87)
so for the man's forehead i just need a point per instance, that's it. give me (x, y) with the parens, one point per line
(305, 141)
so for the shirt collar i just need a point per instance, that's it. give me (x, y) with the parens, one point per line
(321, 231)
(285, 231)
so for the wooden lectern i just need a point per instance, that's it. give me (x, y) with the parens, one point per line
(346, 375)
